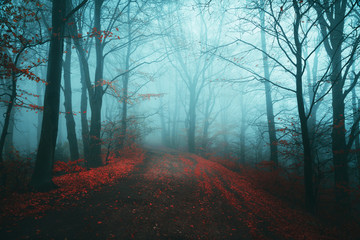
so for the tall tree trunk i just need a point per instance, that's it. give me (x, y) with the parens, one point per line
(308, 170)
(59, 140)
(356, 108)
(205, 137)
(338, 133)
(126, 83)
(192, 121)
(357, 143)
(259, 151)
(84, 121)
(311, 81)
(333, 33)
(9, 143)
(86, 87)
(205, 134)
(70, 122)
(7, 121)
(164, 130)
(96, 100)
(175, 117)
(268, 98)
(124, 110)
(41, 179)
(40, 112)
(356, 114)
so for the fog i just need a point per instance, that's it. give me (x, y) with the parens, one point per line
(256, 82)
(180, 44)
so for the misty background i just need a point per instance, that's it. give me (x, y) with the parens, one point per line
(251, 81)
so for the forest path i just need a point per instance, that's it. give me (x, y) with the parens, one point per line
(171, 195)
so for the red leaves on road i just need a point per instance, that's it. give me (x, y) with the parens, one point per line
(188, 191)
(75, 184)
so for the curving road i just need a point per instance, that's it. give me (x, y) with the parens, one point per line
(171, 195)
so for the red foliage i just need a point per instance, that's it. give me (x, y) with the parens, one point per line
(68, 167)
(257, 206)
(72, 185)
(262, 213)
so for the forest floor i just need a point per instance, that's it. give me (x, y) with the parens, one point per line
(162, 194)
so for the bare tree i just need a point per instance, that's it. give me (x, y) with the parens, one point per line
(192, 71)
(70, 122)
(332, 17)
(41, 179)
(269, 103)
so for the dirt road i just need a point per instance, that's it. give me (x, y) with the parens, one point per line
(171, 195)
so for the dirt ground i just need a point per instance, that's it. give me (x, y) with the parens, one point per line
(170, 195)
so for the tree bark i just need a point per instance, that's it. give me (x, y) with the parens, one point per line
(175, 118)
(86, 87)
(205, 137)
(83, 109)
(126, 83)
(333, 34)
(70, 122)
(9, 141)
(311, 79)
(124, 110)
(269, 104)
(340, 154)
(310, 202)
(356, 108)
(96, 100)
(209, 107)
(192, 121)
(42, 176)
(7, 121)
(40, 112)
